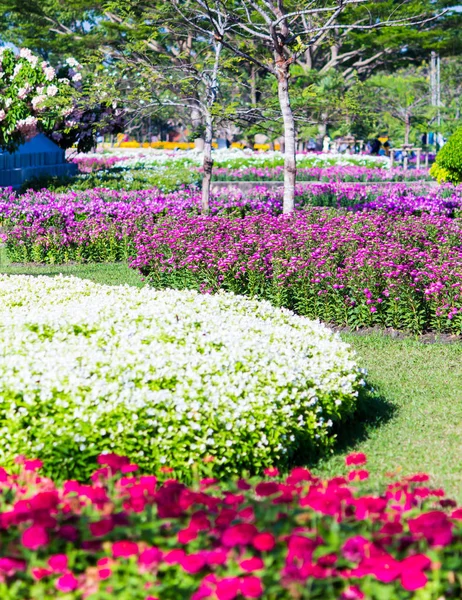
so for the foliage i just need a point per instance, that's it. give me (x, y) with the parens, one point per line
(169, 378)
(127, 535)
(448, 164)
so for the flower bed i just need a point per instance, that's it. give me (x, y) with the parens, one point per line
(296, 538)
(325, 174)
(351, 268)
(99, 225)
(165, 377)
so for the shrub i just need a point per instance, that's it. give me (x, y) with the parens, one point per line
(448, 164)
(168, 378)
(302, 538)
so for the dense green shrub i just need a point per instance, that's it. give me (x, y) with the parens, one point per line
(448, 164)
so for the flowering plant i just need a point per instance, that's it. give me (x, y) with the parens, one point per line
(147, 537)
(35, 97)
(167, 377)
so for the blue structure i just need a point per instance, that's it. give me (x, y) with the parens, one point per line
(38, 157)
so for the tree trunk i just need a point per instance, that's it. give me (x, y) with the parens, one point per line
(407, 128)
(207, 164)
(253, 86)
(290, 165)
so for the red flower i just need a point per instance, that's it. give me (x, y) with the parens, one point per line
(67, 583)
(236, 535)
(124, 549)
(356, 458)
(435, 526)
(100, 528)
(113, 461)
(264, 542)
(267, 488)
(34, 537)
(252, 564)
(251, 587)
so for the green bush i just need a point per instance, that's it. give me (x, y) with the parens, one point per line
(448, 164)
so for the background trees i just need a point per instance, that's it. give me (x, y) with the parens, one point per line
(291, 67)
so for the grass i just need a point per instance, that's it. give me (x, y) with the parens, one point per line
(412, 424)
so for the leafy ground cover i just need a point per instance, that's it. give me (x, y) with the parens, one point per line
(279, 539)
(165, 377)
(412, 425)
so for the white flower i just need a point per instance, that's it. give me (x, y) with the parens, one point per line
(22, 92)
(2, 114)
(72, 62)
(52, 90)
(16, 70)
(27, 54)
(49, 72)
(77, 77)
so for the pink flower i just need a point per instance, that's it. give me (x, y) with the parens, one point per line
(39, 573)
(252, 564)
(360, 475)
(67, 583)
(58, 563)
(271, 472)
(9, 566)
(251, 587)
(124, 549)
(34, 537)
(150, 557)
(228, 588)
(33, 465)
(412, 576)
(355, 458)
(192, 563)
(264, 542)
(352, 593)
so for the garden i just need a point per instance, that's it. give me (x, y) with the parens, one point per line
(226, 373)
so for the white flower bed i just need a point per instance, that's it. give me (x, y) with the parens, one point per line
(224, 158)
(169, 377)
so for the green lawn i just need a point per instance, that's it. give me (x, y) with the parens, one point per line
(413, 423)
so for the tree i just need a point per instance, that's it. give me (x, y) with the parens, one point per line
(273, 34)
(402, 96)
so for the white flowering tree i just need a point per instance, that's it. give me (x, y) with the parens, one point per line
(35, 97)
